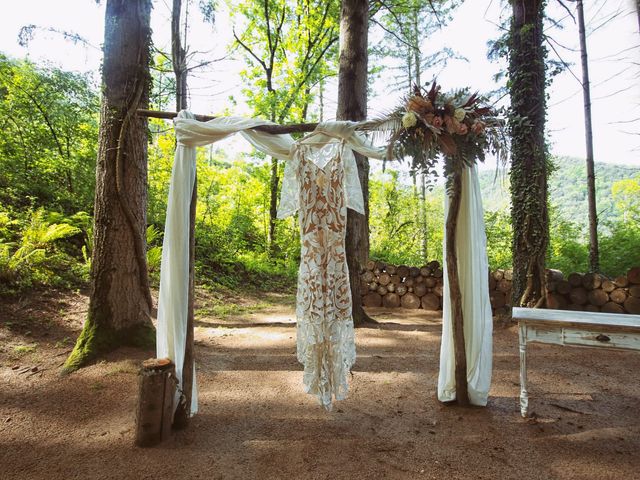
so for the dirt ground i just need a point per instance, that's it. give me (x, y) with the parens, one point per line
(255, 422)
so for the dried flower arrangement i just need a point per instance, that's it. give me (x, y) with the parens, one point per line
(431, 124)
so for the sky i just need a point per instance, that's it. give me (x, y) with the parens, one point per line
(613, 45)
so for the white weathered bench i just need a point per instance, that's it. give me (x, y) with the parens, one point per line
(581, 329)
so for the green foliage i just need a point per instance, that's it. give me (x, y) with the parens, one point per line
(499, 238)
(288, 48)
(48, 148)
(31, 252)
(395, 233)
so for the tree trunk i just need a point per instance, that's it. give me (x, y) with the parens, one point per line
(178, 57)
(352, 105)
(528, 173)
(120, 301)
(594, 256)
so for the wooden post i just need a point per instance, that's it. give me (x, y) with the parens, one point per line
(181, 418)
(462, 395)
(157, 388)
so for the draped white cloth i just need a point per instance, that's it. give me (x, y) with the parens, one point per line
(174, 272)
(336, 159)
(471, 244)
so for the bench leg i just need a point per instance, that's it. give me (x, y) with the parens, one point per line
(524, 395)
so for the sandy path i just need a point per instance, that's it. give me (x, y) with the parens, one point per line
(255, 421)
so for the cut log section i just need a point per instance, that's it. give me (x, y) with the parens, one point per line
(368, 276)
(598, 298)
(621, 281)
(634, 291)
(563, 287)
(384, 279)
(633, 275)
(575, 279)
(372, 299)
(402, 271)
(409, 300)
(154, 415)
(430, 302)
(612, 307)
(554, 275)
(420, 289)
(578, 296)
(556, 301)
(608, 286)
(591, 281)
(632, 305)
(504, 285)
(497, 298)
(618, 295)
(391, 300)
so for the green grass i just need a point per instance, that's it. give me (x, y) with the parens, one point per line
(225, 309)
(22, 350)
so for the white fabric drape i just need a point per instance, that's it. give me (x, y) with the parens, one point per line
(471, 244)
(174, 271)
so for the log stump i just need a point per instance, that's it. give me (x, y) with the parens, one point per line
(430, 302)
(391, 300)
(156, 393)
(633, 275)
(632, 305)
(618, 295)
(612, 307)
(372, 299)
(598, 297)
(409, 300)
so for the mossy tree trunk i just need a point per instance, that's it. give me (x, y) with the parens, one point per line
(528, 173)
(352, 105)
(120, 302)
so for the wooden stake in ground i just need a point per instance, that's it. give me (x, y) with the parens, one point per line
(455, 197)
(183, 412)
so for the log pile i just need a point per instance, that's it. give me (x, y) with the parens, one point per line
(500, 291)
(392, 286)
(593, 292)
(402, 286)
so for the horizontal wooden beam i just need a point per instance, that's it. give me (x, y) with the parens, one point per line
(275, 129)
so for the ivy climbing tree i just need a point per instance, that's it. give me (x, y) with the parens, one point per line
(120, 301)
(529, 171)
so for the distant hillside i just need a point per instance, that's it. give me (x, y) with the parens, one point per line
(567, 189)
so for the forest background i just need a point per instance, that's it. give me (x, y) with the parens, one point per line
(50, 120)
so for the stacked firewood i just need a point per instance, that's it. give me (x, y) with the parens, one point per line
(386, 285)
(594, 293)
(500, 291)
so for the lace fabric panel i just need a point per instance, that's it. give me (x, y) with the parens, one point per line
(325, 335)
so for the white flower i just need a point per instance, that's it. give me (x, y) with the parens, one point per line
(409, 120)
(459, 114)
